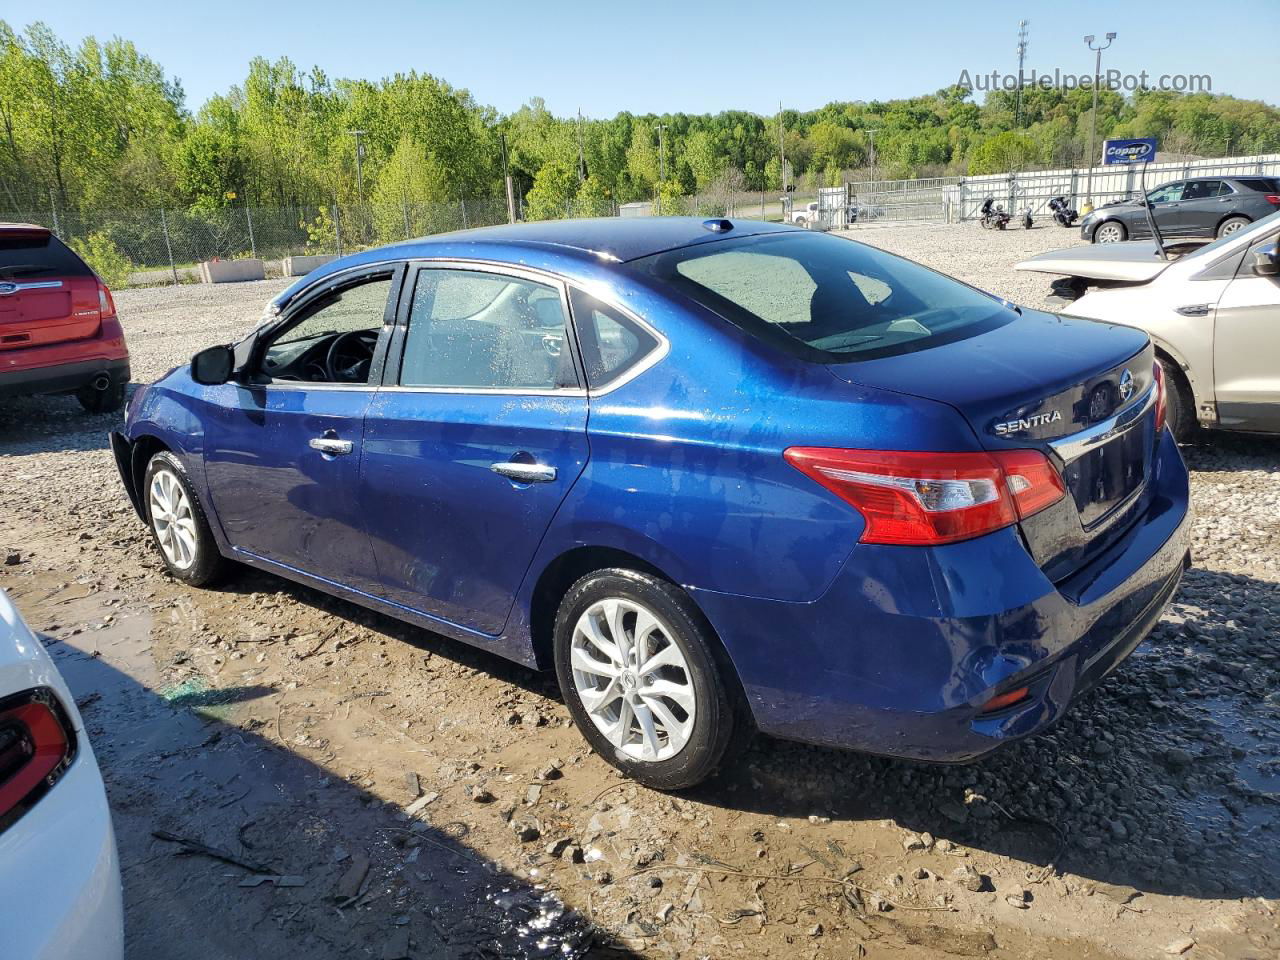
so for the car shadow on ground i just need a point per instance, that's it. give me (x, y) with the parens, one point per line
(1162, 778)
(58, 424)
(188, 763)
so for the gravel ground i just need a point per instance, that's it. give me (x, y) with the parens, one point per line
(435, 801)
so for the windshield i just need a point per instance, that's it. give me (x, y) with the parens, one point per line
(826, 298)
(1254, 232)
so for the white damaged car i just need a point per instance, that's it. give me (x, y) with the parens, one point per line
(59, 870)
(1213, 314)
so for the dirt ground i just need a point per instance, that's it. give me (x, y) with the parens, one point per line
(378, 791)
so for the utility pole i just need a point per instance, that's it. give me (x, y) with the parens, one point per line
(1022, 55)
(871, 132)
(782, 152)
(1093, 120)
(582, 163)
(662, 164)
(359, 161)
(506, 179)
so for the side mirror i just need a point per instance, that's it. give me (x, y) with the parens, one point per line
(1266, 263)
(213, 366)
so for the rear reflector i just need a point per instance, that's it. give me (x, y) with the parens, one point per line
(1000, 701)
(916, 498)
(36, 745)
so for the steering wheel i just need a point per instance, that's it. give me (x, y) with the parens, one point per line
(350, 356)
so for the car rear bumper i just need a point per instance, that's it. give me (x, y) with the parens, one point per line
(906, 646)
(60, 876)
(65, 367)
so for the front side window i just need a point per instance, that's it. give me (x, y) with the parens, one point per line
(1166, 194)
(334, 338)
(471, 329)
(826, 298)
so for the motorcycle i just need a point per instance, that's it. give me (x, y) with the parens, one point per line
(993, 216)
(1063, 215)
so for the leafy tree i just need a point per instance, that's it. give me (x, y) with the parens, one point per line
(553, 189)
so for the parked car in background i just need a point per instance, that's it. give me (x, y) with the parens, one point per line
(1200, 207)
(806, 215)
(58, 327)
(720, 475)
(1214, 316)
(59, 871)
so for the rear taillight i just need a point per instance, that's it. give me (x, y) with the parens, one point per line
(106, 306)
(1002, 700)
(36, 745)
(929, 498)
(1273, 199)
(1157, 373)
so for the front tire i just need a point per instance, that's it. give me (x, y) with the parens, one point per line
(1179, 410)
(1110, 232)
(639, 671)
(178, 523)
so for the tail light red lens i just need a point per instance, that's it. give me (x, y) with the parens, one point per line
(36, 744)
(106, 305)
(1273, 199)
(919, 498)
(1157, 373)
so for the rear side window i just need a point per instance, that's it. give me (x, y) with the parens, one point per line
(612, 343)
(826, 298)
(1261, 184)
(31, 256)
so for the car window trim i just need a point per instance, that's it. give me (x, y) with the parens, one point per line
(645, 361)
(395, 356)
(299, 305)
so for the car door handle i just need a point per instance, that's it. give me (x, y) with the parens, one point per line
(1193, 310)
(331, 446)
(525, 472)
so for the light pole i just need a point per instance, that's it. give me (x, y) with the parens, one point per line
(871, 132)
(1093, 120)
(662, 163)
(1022, 55)
(359, 160)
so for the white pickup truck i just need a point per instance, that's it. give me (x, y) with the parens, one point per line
(804, 215)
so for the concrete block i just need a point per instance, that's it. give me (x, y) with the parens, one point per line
(301, 266)
(232, 271)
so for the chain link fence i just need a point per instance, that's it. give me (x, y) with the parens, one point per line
(144, 247)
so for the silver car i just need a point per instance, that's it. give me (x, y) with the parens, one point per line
(1214, 316)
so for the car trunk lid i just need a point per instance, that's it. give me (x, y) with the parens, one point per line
(48, 295)
(1080, 392)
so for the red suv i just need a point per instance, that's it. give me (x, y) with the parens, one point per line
(58, 327)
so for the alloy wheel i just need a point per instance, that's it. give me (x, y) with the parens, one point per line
(1110, 233)
(172, 519)
(1230, 227)
(633, 679)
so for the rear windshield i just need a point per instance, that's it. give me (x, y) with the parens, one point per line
(826, 298)
(38, 255)
(1261, 184)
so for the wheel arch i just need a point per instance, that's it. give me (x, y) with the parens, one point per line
(1183, 371)
(573, 564)
(1093, 237)
(1231, 216)
(145, 446)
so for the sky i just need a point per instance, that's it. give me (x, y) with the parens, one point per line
(695, 56)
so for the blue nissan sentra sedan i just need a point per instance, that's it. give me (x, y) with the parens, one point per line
(719, 475)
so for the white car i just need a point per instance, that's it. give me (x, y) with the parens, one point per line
(59, 871)
(806, 215)
(1214, 316)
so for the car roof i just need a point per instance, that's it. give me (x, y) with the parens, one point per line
(616, 238)
(600, 239)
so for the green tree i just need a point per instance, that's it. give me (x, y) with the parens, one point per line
(553, 190)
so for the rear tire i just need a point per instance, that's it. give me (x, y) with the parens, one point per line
(178, 523)
(1180, 412)
(1231, 225)
(101, 401)
(669, 727)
